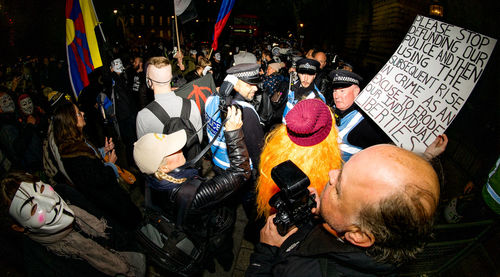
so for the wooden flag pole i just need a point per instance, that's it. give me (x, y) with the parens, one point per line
(210, 55)
(100, 27)
(177, 34)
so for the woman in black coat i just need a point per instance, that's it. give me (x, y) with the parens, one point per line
(96, 179)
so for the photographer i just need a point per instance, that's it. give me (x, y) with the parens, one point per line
(208, 217)
(375, 213)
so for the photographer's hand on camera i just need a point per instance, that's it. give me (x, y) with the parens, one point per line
(269, 233)
(224, 185)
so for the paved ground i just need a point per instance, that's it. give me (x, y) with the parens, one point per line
(242, 250)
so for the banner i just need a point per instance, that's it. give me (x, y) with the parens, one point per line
(198, 90)
(185, 10)
(423, 86)
(81, 43)
(224, 13)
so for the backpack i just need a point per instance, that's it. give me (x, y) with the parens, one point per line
(168, 246)
(173, 124)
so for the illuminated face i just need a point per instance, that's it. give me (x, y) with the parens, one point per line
(344, 97)
(80, 120)
(6, 103)
(137, 63)
(306, 79)
(40, 209)
(246, 90)
(321, 58)
(117, 66)
(334, 207)
(270, 71)
(26, 105)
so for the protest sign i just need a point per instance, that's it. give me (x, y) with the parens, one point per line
(420, 90)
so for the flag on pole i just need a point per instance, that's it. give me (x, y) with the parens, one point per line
(81, 43)
(185, 10)
(225, 11)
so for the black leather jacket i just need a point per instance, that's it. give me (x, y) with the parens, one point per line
(221, 186)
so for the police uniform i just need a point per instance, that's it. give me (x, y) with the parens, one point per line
(355, 132)
(253, 136)
(297, 91)
(252, 129)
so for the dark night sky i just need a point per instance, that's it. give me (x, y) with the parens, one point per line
(38, 26)
(38, 29)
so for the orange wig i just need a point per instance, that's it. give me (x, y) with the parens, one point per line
(315, 161)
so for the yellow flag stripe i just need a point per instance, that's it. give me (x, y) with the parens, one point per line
(70, 31)
(90, 20)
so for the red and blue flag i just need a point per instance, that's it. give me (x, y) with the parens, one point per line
(225, 11)
(81, 43)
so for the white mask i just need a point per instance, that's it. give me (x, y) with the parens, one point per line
(26, 105)
(6, 103)
(206, 69)
(37, 207)
(117, 66)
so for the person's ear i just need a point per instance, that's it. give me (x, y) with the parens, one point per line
(17, 228)
(359, 238)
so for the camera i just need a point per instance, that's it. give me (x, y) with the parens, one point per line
(224, 93)
(293, 202)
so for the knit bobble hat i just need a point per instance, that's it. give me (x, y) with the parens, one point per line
(309, 122)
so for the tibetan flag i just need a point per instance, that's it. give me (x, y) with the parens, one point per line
(225, 11)
(81, 43)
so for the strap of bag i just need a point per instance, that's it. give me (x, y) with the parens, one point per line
(184, 198)
(186, 108)
(158, 111)
(205, 150)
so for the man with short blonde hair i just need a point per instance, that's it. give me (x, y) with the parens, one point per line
(158, 78)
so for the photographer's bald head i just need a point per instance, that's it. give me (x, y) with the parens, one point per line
(384, 200)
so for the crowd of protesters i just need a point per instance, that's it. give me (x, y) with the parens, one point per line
(93, 151)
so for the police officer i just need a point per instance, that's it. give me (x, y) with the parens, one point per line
(243, 78)
(305, 87)
(356, 131)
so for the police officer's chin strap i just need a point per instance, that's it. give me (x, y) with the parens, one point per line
(224, 92)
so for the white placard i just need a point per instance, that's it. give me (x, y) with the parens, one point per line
(423, 86)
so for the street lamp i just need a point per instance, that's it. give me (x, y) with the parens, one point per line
(115, 11)
(436, 9)
(301, 25)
